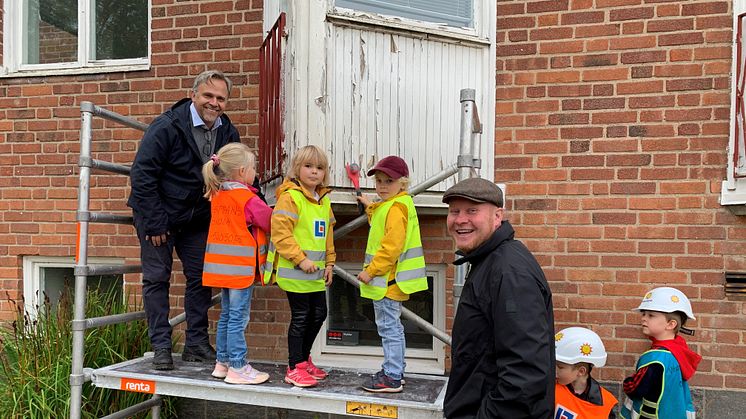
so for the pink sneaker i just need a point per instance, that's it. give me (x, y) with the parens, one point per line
(245, 375)
(299, 376)
(315, 371)
(221, 369)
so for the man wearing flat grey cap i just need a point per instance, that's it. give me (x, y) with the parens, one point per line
(503, 363)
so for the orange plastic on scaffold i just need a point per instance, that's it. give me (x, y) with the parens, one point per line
(77, 245)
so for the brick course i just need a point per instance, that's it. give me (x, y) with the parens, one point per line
(651, 168)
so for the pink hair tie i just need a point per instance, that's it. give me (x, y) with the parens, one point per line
(215, 160)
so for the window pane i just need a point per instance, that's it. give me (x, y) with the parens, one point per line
(120, 29)
(352, 318)
(51, 33)
(59, 281)
(451, 12)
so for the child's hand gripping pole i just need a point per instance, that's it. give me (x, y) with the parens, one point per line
(353, 172)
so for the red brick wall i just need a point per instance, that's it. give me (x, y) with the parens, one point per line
(40, 123)
(612, 128)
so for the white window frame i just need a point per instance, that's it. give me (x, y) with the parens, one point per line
(33, 282)
(421, 361)
(733, 189)
(13, 29)
(475, 34)
(384, 7)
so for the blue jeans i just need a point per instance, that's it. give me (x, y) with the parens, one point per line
(388, 320)
(234, 316)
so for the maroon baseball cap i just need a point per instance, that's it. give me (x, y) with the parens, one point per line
(393, 166)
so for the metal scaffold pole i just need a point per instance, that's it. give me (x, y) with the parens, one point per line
(468, 163)
(78, 374)
(77, 378)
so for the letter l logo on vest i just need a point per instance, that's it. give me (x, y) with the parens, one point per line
(563, 413)
(319, 228)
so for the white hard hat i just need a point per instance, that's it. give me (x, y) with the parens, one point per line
(666, 300)
(578, 344)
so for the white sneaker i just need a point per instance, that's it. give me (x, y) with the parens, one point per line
(245, 375)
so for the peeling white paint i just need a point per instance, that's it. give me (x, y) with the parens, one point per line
(371, 86)
(403, 100)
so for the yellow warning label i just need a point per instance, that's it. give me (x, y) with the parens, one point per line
(372, 409)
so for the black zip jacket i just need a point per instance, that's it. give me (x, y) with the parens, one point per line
(166, 176)
(503, 363)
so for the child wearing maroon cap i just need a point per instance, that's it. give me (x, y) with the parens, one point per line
(394, 266)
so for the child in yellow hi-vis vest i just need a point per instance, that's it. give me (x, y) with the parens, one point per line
(394, 266)
(301, 257)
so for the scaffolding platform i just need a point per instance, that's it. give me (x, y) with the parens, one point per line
(339, 394)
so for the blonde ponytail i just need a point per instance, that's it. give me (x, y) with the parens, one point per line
(224, 165)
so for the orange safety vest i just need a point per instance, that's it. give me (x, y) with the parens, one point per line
(233, 257)
(569, 406)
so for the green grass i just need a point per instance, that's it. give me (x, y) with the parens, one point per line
(36, 360)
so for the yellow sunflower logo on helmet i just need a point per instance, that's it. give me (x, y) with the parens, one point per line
(675, 298)
(558, 337)
(586, 349)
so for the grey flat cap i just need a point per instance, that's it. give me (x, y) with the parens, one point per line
(477, 190)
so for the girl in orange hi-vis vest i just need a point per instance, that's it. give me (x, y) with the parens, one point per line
(236, 251)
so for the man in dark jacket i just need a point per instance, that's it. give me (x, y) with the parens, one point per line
(503, 363)
(171, 213)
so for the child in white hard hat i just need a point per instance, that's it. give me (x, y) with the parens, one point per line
(576, 393)
(659, 388)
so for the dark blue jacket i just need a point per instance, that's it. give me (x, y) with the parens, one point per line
(166, 176)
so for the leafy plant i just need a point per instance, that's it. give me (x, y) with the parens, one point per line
(36, 359)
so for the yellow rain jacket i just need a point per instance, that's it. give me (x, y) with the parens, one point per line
(392, 245)
(285, 217)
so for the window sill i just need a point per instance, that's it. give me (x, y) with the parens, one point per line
(734, 199)
(345, 17)
(74, 71)
(373, 363)
(344, 201)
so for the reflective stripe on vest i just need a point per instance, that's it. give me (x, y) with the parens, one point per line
(410, 275)
(231, 258)
(310, 233)
(232, 270)
(227, 249)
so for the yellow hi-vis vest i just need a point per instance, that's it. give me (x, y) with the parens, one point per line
(410, 272)
(310, 233)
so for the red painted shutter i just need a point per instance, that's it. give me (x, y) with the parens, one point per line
(271, 135)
